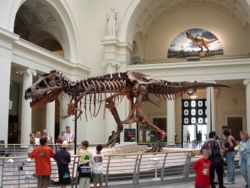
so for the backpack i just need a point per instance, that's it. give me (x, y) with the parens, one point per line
(84, 170)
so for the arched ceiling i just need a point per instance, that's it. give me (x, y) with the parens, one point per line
(149, 12)
(37, 21)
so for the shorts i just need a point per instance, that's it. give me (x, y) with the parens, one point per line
(97, 178)
(43, 181)
(64, 174)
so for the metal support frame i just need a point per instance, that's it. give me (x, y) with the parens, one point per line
(163, 167)
(138, 169)
(187, 165)
(135, 170)
(75, 138)
(107, 173)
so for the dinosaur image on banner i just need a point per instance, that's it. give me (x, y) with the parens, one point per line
(195, 42)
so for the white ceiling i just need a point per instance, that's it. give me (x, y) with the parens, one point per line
(35, 18)
(150, 11)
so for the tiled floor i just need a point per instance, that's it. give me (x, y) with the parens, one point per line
(239, 183)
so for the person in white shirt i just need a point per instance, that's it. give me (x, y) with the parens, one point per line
(37, 139)
(97, 167)
(49, 137)
(68, 135)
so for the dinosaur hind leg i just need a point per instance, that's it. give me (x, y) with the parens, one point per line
(206, 48)
(110, 104)
(201, 48)
(160, 133)
(139, 116)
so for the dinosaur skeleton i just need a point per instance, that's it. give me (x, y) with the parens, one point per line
(109, 89)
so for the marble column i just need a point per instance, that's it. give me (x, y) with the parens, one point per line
(109, 119)
(247, 83)
(26, 114)
(210, 110)
(116, 57)
(5, 74)
(123, 107)
(50, 119)
(171, 122)
(69, 121)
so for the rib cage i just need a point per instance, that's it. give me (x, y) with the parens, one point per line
(123, 83)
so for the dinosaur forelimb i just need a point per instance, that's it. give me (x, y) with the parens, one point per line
(110, 104)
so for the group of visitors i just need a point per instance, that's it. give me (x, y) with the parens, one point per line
(35, 137)
(90, 162)
(90, 165)
(216, 155)
(65, 136)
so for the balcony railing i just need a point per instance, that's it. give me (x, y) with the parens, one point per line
(138, 60)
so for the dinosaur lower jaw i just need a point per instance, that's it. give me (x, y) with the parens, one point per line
(47, 98)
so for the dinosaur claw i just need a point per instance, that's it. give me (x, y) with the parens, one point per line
(155, 148)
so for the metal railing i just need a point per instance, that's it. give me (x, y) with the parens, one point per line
(21, 149)
(124, 169)
(129, 170)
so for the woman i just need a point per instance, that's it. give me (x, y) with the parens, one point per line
(229, 154)
(244, 161)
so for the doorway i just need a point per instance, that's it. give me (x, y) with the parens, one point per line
(235, 126)
(146, 134)
(14, 127)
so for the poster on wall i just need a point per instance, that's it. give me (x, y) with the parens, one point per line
(129, 135)
(195, 42)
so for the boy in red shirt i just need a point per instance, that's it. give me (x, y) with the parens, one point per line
(42, 155)
(202, 167)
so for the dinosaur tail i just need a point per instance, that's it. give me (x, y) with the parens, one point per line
(210, 41)
(175, 90)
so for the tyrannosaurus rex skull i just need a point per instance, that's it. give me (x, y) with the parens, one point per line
(45, 89)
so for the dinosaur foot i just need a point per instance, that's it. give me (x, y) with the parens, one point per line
(155, 148)
(112, 141)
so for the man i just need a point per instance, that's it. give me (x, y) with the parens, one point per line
(42, 155)
(49, 137)
(215, 158)
(188, 137)
(68, 135)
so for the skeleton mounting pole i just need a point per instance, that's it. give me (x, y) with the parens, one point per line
(75, 138)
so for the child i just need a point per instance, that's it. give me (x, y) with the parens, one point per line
(201, 167)
(97, 159)
(84, 169)
(42, 155)
(63, 158)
